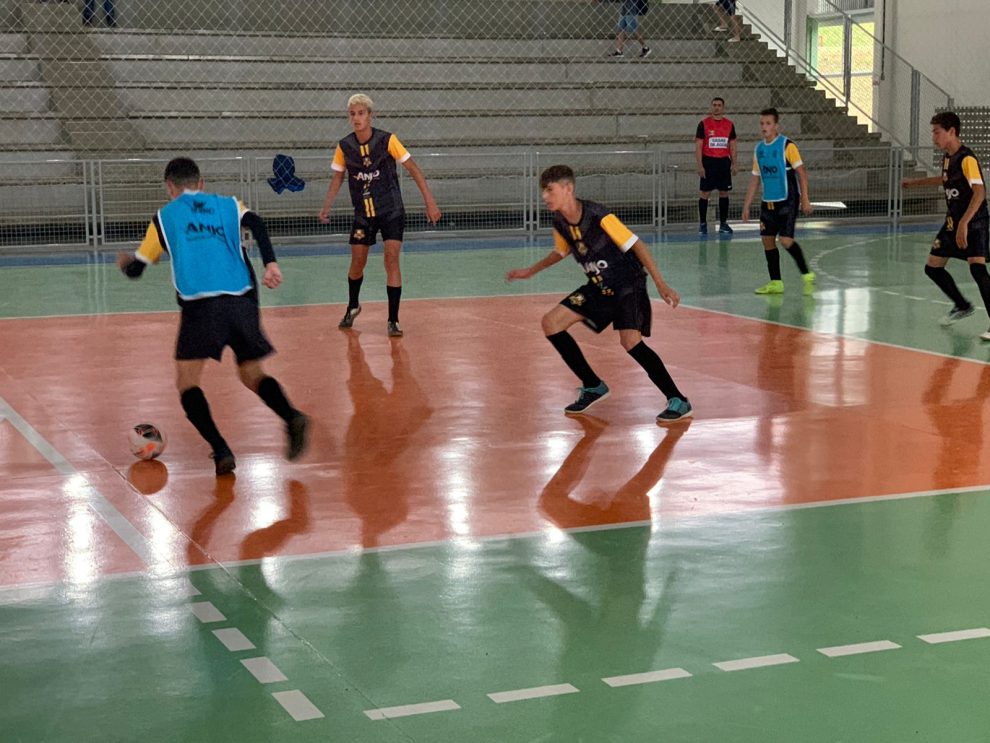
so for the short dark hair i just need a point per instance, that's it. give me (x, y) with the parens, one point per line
(182, 171)
(556, 174)
(771, 112)
(947, 120)
(719, 98)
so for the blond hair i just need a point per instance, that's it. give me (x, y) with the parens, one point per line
(360, 99)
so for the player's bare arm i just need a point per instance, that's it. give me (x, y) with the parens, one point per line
(935, 180)
(432, 210)
(975, 201)
(335, 183)
(525, 273)
(697, 157)
(732, 155)
(750, 193)
(802, 175)
(667, 292)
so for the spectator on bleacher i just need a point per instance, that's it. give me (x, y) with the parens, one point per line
(715, 155)
(109, 12)
(629, 15)
(726, 10)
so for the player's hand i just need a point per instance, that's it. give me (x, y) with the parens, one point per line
(962, 235)
(669, 295)
(735, 170)
(701, 171)
(806, 207)
(433, 213)
(124, 259)
(518, 273)
(273, 276)
(324, 216)
(908, 183)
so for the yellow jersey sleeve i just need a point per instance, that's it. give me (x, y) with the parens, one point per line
(792, 155)
(338, 163)
(971, 169)
(560, 244)
(621, 235)
(150, 250)
(399, 153)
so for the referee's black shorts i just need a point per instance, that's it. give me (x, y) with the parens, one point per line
(718, 174)
(211, 324)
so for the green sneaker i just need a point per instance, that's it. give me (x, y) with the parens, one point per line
(678, 408)
(809, 282)
(587, 396)
(771, 287)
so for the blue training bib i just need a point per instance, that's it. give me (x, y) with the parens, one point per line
(772, 162)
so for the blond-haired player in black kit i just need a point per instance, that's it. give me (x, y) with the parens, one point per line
(966, 231)
(616, 262)
(367, 158)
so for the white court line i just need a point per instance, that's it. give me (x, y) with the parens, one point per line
(760, 661)
(647, 678)
(206, 612)
(956, 636)
(839, 651)
(233, 639)
(536, 692)
(297, 705)
(81, 488)
(264, 670)
(405, 710)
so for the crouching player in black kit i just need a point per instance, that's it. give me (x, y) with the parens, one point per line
(616, 262)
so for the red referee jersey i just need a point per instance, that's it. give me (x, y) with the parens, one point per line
(715, 137)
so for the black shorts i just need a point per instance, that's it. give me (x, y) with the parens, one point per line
(729, 6)
(977, 241)
(628, 309)
(778, 218)
(718, 174)
(209, 325)
(365, 229)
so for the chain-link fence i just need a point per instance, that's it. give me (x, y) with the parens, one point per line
(481, 97)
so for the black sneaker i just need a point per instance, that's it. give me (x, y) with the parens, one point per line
(349, 316)
(644, 52)
(587, 396)
(616, 53)
(394, 331)
(223, 461)
(296, 432)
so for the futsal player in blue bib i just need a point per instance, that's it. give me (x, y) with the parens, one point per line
(778, 166)
(218, 292)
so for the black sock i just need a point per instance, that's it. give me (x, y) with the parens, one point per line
(798, 255)
(394, 294)
(982, 278)
(569, 351)
(353, 291)
(702, 211)
(198, 412)
(723, 209)
(271, 392)
(773, 263)
(647, 358)
(944, 281)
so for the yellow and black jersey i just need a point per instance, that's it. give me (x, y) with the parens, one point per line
(371, 172)
(601, 244)
(960, 172)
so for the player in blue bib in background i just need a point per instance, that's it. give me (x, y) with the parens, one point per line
(778, 166)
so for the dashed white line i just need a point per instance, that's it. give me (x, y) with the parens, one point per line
(649, 677)
(956, 636)
(233, 639)
(518, 695)
(405, 710)
(264, 670)
(206, 612)
(297, 705)
(760, 661)
(859, 648)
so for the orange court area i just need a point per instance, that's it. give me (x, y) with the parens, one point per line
(455, 430)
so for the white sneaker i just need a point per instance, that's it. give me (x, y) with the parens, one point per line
(721, 28)
(985, 336)
(733, 41)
